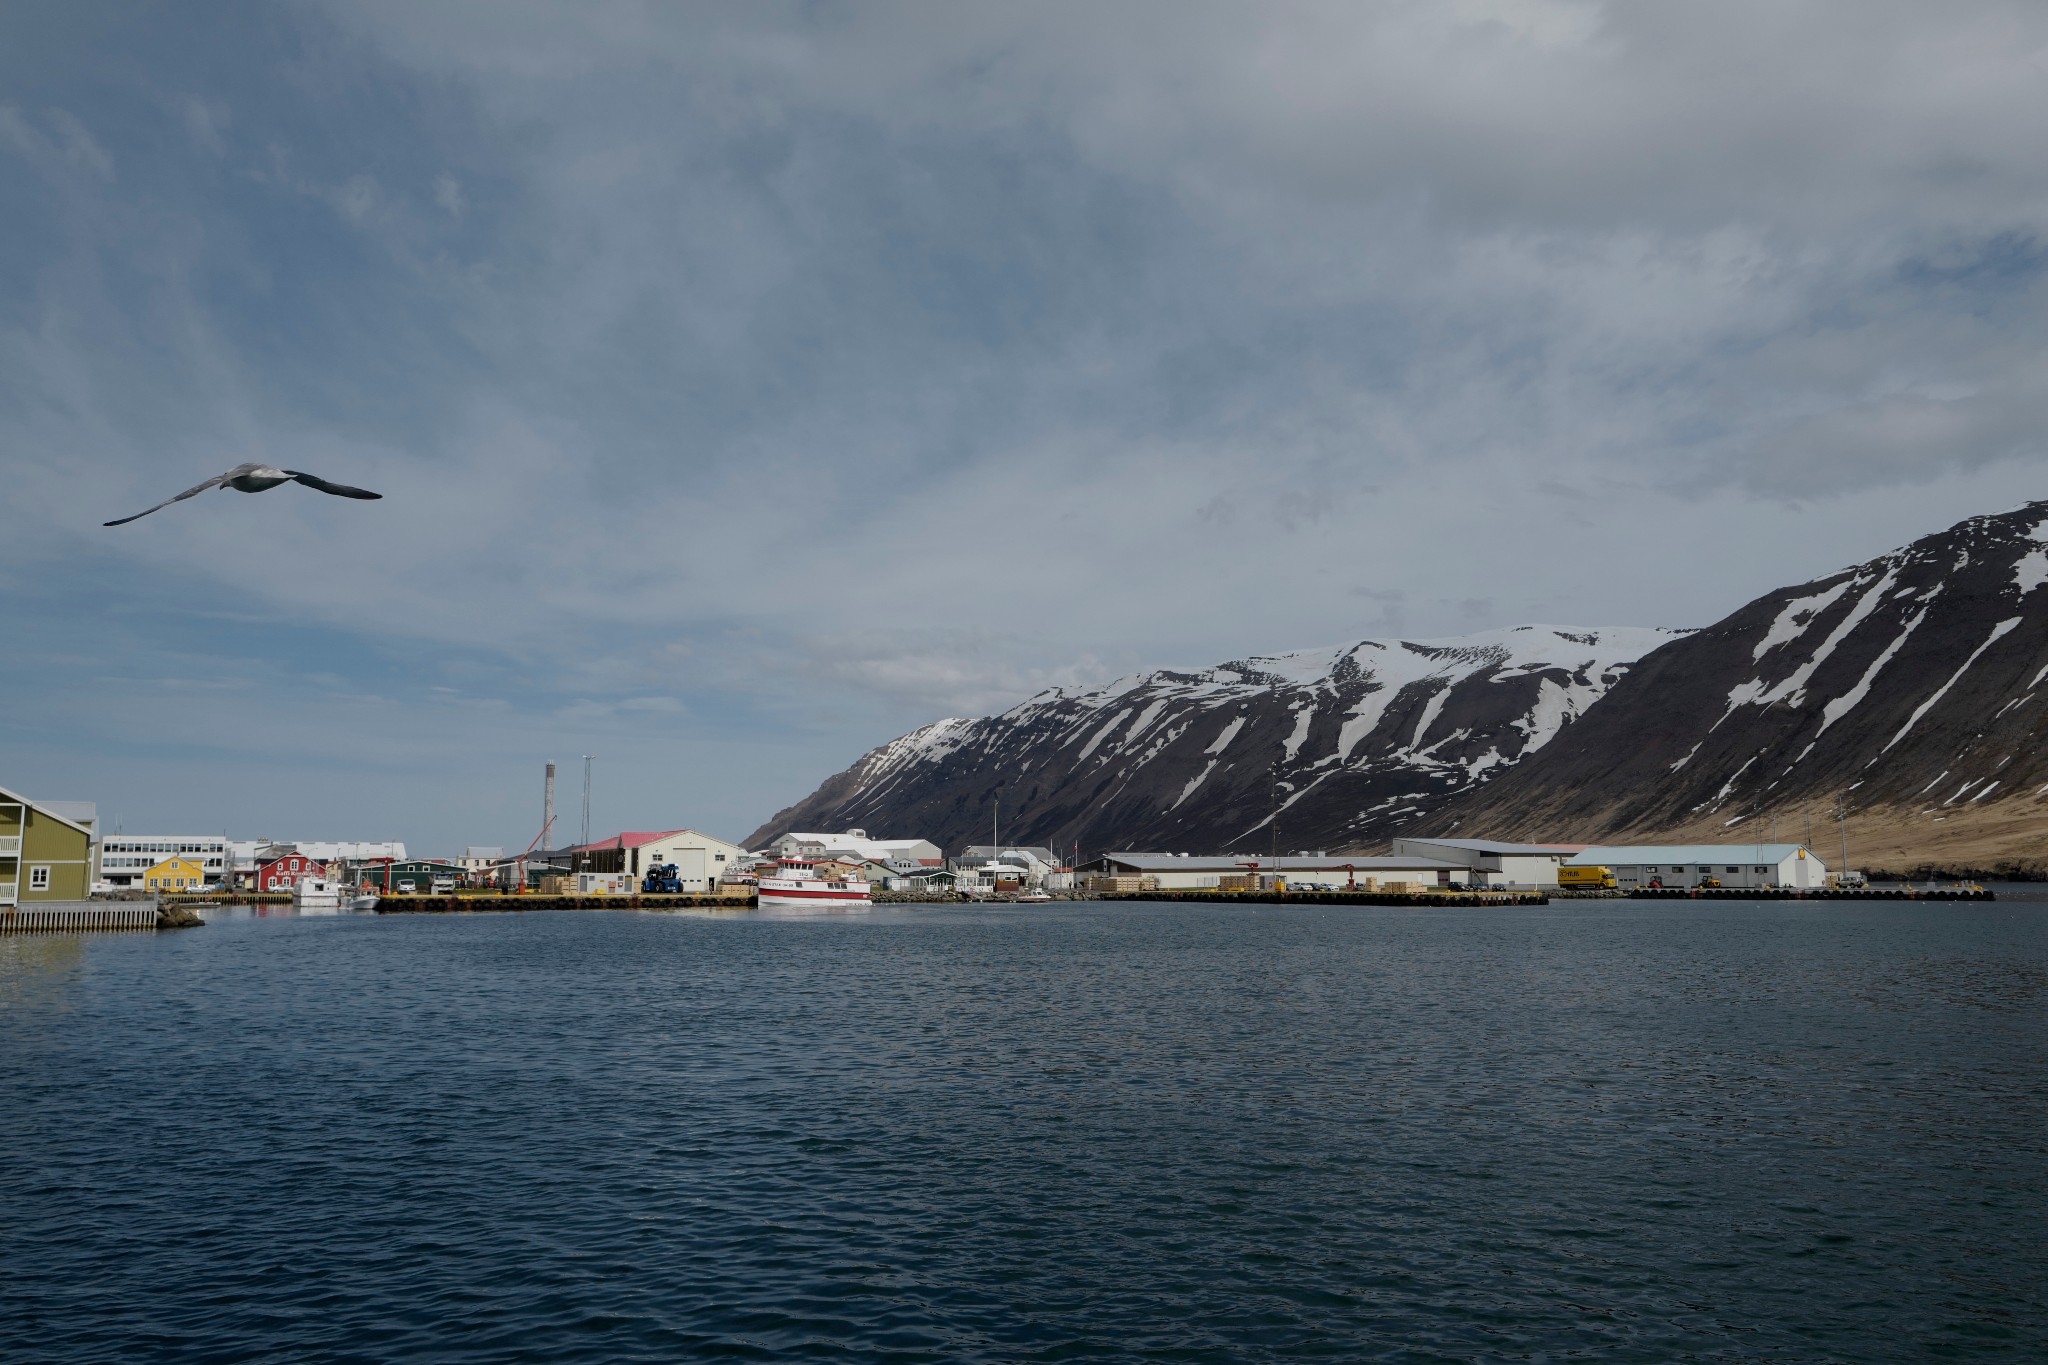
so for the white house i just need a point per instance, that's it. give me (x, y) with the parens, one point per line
(700, 859)
(1683, 865)
(1489, 862)
(1033, 865)
(901, 855)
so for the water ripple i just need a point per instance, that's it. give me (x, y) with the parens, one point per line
(1692, 1131)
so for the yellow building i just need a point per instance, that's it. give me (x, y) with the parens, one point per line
(43, 855)
(175, 874)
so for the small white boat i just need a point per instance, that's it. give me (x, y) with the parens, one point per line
(1032, 898)
(797, 885)
(317, 895)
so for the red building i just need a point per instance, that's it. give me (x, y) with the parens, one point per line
(287, 870)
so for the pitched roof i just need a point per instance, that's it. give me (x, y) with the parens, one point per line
(272, 855)
(638, 839)
(43, 808)
(1496, 846)
(877, 849)
(1634, 855)
(1164, 862)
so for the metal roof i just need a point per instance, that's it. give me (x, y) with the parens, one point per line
(84, 813)
(1162, 862)
(1637, 855)
(880, 850)
(640, 839)
(1038, 851)
(1493, 846)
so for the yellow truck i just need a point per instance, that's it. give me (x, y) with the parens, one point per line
(1586, 879)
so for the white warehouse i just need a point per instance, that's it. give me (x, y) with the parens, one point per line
(901, 855)
(1685, 865)
(1489, 862)
(1180, 872)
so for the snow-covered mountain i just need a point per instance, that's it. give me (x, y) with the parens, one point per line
(1912, 684)
(1343, 746)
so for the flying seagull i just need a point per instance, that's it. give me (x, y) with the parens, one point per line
(255, 478)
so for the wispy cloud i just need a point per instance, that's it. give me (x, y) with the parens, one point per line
(751, 383)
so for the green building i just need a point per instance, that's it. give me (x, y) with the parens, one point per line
(409, 875)
(43, 855)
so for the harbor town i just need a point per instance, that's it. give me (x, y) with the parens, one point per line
(59, 870)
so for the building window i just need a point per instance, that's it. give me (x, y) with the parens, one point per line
(39, 879)
(1763, 869)
(1735, 869)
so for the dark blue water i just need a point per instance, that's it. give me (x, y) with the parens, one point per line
(1599, 1131)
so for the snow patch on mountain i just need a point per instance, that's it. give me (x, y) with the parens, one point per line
(2031, 572)
(1798, 614)
(1356, 735)
(1998, 632)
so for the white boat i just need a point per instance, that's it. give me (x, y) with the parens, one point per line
(796, 884)
(317, 895)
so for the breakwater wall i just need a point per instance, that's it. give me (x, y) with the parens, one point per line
(1333, 897)
(1736, 893)
(457, 905)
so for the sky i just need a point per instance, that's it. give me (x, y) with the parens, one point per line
(750, 384)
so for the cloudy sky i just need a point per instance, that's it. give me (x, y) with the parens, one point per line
(751, 383)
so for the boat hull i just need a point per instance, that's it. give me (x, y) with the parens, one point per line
(775, 895)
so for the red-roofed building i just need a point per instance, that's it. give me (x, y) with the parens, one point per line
(699, 859)
(285, 871)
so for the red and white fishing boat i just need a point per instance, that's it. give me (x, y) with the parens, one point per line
(797, 883)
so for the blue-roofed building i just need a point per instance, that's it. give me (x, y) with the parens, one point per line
(1733, 865)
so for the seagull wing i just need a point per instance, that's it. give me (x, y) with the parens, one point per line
(340, 490)
(214, 482)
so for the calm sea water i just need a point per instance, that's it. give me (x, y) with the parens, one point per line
(1598, 1131)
